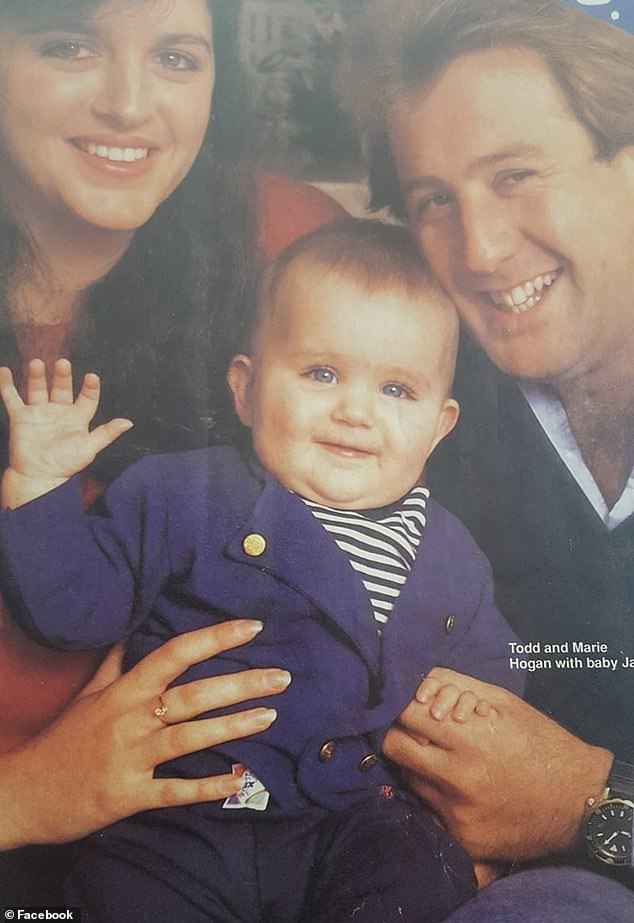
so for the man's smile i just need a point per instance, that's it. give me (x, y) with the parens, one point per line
(524, 296)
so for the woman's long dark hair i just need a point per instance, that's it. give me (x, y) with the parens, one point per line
(161, 326)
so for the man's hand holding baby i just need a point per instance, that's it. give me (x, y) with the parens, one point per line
(50, 437)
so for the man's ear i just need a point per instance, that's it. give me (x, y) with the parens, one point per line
(240, 379)
(623, 160)
(447, 419)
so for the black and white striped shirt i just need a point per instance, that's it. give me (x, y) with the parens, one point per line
(381, 545)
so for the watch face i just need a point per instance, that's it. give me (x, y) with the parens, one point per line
(609, 831)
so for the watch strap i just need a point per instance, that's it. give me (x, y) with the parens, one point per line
(619, 787)
(621, 781)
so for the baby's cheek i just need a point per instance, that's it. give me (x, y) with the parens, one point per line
(408, 429)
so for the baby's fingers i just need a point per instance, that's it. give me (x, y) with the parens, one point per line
(12, 400)
(104, 435)
(427, 689)
(444, 702)
(483, 708)
(88, 397)
(464, 707)
(62, 383)
(36, 384)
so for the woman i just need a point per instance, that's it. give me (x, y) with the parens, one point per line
(126, 241)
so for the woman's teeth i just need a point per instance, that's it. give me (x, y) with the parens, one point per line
(115, 154)
(524, 296)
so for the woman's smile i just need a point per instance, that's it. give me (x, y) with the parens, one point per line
(123, 150)
(102, 122)
(117, 159)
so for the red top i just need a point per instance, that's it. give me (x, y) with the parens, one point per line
(37, 683)
(289, 210)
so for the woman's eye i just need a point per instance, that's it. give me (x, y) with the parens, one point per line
(323, 375)
(178, 61)
(68, 51)
(395, 390)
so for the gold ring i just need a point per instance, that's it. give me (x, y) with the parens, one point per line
(161, 710)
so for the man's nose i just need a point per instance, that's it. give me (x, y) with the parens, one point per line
(353, 405)
(489, 231)
(123, 99)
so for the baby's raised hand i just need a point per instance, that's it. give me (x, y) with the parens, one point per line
(49, 434)
(450, 698)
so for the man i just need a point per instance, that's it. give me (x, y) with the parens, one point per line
(503, 131)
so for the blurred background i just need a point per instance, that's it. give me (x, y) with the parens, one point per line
(288, 49)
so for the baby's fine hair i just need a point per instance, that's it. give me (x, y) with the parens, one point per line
(374, 254)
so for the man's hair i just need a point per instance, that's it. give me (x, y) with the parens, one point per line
(397, 46)
(373, 254)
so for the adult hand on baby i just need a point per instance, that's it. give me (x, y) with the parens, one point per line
(449, 699)
(50, 439)
(95, 764)
(510, 786)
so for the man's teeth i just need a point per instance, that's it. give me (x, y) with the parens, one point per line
(116, 154)
(524, 296)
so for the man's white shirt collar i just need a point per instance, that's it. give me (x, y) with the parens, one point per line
(553, 420)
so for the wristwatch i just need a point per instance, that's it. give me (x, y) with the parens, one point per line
(610, 823)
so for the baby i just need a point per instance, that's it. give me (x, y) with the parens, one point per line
(323, 529)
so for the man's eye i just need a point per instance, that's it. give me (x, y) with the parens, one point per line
(395, 390)
(513, 177)
(427, 206)
(68, 51)
(178, 61)
(323, 375)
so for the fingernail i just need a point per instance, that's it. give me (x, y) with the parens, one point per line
(423, 696)
(279, 680)
(438, 713)
(263, 718)
(230, 786)
(248, 628)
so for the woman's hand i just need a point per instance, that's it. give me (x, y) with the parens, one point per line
(511, 786)
(95, 764)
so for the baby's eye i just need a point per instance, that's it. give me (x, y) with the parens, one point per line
(395, 390)
(323, 375)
